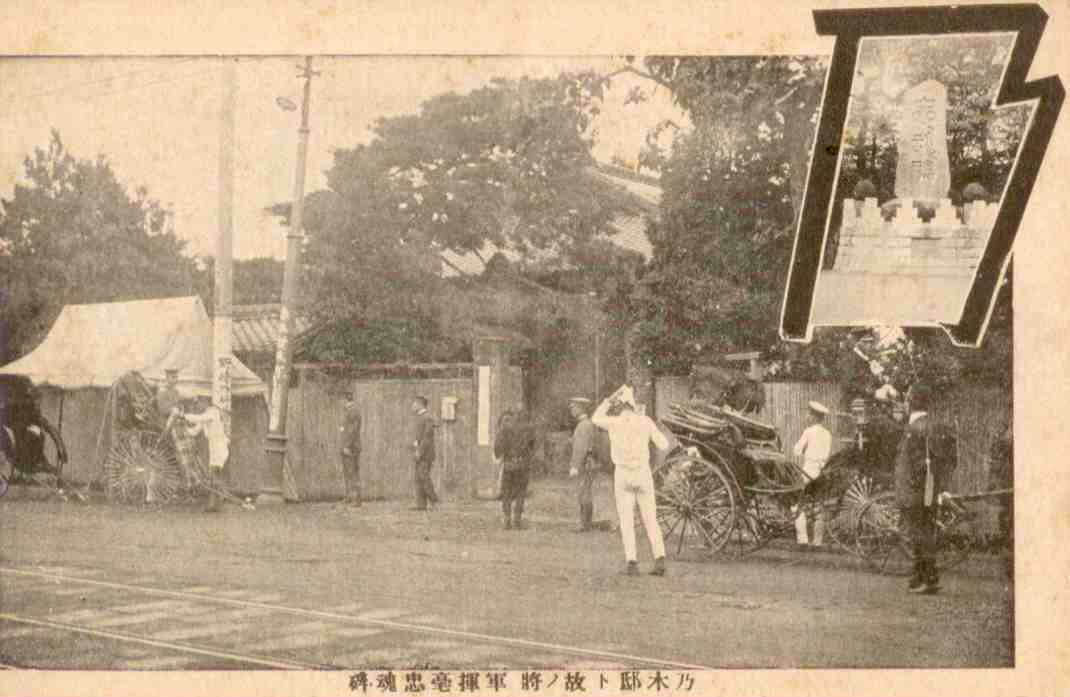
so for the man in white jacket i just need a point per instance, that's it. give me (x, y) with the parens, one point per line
(630, 436)
(814, 447)
(214, 423)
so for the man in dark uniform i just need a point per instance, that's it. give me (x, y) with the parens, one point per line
(582, 464)
(423, 444)
(350, 443)
(923, 467)
(514, 446)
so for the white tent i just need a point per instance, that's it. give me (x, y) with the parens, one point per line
(95, 345)
(92, 346)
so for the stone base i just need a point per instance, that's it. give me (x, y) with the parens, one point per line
(846, 298)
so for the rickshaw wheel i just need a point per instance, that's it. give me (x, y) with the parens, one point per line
(878, 539)
(696, 506)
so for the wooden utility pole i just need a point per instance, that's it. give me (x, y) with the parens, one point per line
(221, 324)
(273, 483)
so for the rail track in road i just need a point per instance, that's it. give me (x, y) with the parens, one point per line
(138, 626)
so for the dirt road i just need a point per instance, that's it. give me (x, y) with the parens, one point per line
(477, 593)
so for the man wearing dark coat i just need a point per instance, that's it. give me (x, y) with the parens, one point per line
(423, 445)
(582, 464)
(350, 443)
(514, 447)
(923, 467)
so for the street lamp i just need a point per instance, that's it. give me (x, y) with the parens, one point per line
(273, 483)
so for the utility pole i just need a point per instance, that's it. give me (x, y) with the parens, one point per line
(221, 324)
(273, 483)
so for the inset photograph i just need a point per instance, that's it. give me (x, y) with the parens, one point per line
(923, 167)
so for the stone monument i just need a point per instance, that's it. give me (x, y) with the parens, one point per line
(943, 242)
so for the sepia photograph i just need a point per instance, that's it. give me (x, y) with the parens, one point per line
(923, 167)
(461, 372)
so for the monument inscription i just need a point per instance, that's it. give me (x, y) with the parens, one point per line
(923, 172)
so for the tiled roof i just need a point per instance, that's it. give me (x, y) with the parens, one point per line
(629, 235)
(256, 327)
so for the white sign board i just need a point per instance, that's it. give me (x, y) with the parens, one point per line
(484, 405)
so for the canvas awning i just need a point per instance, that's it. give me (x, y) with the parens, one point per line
(94, 345)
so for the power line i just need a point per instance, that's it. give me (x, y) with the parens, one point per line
(89, 98)
(71, 86)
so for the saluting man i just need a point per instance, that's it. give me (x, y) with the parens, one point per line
(351, 451)
(630, 437)
(814, 447)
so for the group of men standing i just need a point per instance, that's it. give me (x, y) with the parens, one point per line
(631, 435)
(924, 462)
(923, 465)
(421, 445)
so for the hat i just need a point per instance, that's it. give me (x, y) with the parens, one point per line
(886, 393)
(819, 408)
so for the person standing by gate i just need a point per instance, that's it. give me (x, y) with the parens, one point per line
(814, 447)
(923, 467)
(514, 446)
(630, 436)
(351, 422)
(423, 444)
(582, 464)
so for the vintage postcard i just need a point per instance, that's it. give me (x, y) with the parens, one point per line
(669, 348)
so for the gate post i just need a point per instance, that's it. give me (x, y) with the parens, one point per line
(490, 355)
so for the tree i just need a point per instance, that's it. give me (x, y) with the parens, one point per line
(72, 233)
(256, 281)
(732, 188)
(505, 167)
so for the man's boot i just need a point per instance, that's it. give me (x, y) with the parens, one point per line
(659, 567)
(505, 513)
(585, 518)
(518, 514)
(932, 579)
(917, 579)
(632, 569)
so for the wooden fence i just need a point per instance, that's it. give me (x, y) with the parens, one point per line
(978, 413)
(314, 450)
(316, 409)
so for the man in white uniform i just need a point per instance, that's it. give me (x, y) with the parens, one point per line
(630, 436)
(214, 423)
(814, 447)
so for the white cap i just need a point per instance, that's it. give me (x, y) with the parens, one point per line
(819, 408)
(886, 393)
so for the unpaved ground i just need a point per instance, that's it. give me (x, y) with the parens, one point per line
(544, 583)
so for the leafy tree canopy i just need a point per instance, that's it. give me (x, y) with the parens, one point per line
(72, 233)
(507, 166)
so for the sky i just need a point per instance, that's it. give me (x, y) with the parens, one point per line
(157, 121)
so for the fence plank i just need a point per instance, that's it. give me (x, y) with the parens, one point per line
(386, 430)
